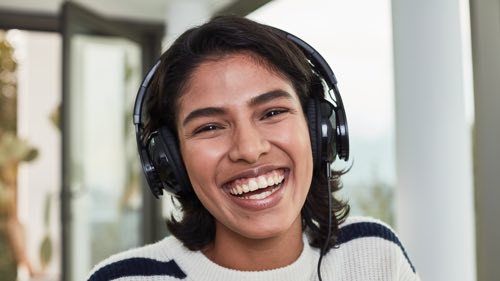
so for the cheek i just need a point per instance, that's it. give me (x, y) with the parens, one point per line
(200, 167)
(294, 140)
(298, 141)
(201, 159)
(301, 144)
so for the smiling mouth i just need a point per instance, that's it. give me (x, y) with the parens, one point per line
(257, 187)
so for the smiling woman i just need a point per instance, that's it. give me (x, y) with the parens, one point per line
(239, 131)
(254, 136)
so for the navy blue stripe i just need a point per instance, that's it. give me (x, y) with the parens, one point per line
(370, 229)
(137, 267)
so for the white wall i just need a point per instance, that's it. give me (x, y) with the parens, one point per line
(435, 203)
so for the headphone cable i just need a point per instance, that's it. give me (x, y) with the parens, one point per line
(329, 233)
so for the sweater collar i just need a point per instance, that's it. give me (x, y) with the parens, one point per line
(198, 267)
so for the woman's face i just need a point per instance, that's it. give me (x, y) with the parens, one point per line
(245, 143)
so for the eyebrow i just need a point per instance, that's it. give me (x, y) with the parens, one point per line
(255, 101)
(203, 112)
(271, 95)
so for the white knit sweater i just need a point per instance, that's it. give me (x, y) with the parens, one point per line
(368, 250)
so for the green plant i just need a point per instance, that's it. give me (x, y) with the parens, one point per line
(376, 198)
(13, 150)
(377, 202)
(46, 245)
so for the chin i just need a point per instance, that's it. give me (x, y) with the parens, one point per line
(271, 228)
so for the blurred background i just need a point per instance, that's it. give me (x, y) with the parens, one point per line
(419, 80)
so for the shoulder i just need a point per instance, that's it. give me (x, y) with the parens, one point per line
(155, 259)
(366, 227)
(367, 242)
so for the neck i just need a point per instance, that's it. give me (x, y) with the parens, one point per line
(232, 250)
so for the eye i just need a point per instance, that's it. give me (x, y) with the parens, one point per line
(274, 112)
(207, 128)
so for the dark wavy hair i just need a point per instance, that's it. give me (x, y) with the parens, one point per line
(222, 36)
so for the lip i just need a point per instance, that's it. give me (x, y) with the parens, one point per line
(265, 203)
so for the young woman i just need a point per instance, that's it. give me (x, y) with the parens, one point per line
(239, 131)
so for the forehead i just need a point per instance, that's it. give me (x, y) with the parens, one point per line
(242, 63)
(234, 77)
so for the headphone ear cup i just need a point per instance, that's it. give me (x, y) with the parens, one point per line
(150, 173)
(328, 123)
(165, 156)
(312, 120)
(341, 134)
(321, 120)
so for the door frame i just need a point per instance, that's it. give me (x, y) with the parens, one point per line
(76, 19)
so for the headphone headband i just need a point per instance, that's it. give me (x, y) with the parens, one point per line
(139, 100)
(326, 72)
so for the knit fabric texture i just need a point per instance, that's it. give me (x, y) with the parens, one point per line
(367, 250)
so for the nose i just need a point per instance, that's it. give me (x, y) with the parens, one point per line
(248, 144)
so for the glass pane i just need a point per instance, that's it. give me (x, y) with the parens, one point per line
(105, 180)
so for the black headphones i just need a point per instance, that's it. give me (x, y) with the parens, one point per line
(161, 159)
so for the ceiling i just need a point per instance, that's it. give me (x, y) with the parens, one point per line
(144, 10)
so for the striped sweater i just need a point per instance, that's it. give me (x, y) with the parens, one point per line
(368, 250)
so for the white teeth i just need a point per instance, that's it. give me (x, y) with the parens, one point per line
(270, 181)
(252, 184)
(245, 188)
(260, 195)
(240, 190)
(275, 177)
(280, 178)
(260, 182)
